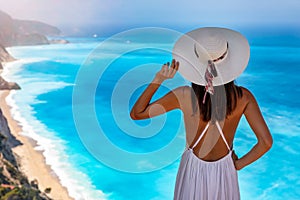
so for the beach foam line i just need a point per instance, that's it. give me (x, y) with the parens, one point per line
(77, 183)
(72, 53)
(11, 68)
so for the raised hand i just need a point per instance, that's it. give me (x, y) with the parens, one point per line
(167, 71)
(141, 109)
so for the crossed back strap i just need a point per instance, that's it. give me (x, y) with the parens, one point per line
(205, 129)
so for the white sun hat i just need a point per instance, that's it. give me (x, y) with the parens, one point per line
(227, 50)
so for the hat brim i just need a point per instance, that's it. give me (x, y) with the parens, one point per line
(193, 68)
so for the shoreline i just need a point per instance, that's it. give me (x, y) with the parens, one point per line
(32, 162)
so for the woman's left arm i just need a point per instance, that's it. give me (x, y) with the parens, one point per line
(143, 109)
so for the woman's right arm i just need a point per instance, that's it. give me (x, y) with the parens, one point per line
(259, 127)
(143, 109)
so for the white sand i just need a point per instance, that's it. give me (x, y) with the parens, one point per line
(32, 161)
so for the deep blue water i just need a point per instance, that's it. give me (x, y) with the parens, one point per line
(47, 75)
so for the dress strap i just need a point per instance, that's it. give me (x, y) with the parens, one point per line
(222, 134)
(201, 135)
(205, 129)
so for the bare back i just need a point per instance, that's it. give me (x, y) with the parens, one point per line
(211, 147)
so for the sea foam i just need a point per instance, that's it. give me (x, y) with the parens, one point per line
(77, 183)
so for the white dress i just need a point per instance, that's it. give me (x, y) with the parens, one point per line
(202, 180)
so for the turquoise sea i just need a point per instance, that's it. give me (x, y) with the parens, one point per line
(67, 88)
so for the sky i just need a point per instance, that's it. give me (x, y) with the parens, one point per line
(108, 16)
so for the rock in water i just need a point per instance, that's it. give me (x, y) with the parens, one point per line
(4, 85)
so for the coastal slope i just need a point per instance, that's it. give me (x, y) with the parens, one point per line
(24, 173)
(14, 184)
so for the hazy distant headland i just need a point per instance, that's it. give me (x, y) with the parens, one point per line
(14, 32)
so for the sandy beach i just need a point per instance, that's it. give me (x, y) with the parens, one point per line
(32, 161)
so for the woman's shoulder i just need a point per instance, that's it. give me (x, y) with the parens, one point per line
(183, 91)
(247, 95)
(183, 96)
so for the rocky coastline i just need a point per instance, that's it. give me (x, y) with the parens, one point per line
(14, 184)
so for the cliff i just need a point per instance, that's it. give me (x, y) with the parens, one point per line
(13, 183)
(15, 32)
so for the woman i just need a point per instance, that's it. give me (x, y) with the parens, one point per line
(211, 58)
